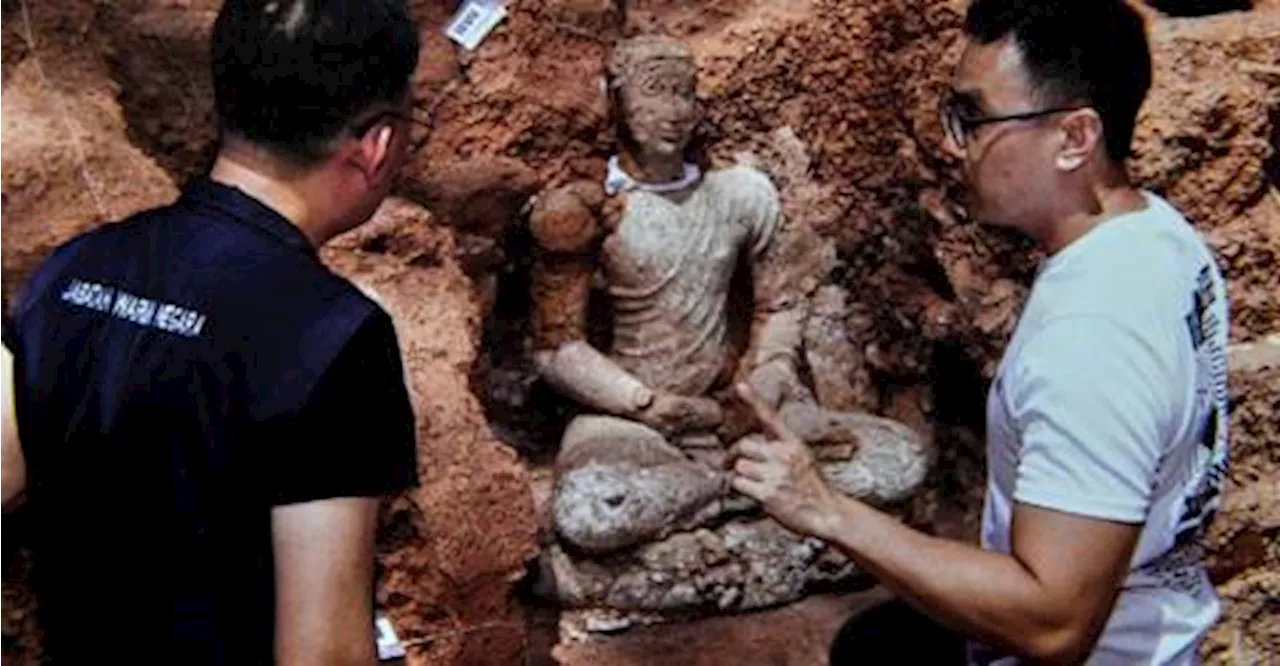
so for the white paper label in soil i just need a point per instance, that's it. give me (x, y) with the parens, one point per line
(474, 21)
(389, 646)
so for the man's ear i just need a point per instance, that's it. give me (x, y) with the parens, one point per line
(373, 150)
(1081, 136)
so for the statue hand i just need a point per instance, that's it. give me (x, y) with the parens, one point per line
(672, 414)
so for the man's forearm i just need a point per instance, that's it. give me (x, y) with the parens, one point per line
(988, 596)
(10, 503)
(13, 479)
(323, 553)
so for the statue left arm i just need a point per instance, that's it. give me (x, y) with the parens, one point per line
(772, 359)
(779, 305)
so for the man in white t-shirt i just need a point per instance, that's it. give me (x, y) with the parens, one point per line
(1107, 419)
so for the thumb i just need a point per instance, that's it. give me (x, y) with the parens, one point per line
(770, 422)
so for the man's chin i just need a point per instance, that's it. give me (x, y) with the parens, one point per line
(984, 216)
(989, 221)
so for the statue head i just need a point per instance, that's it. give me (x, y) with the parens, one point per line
(652, 84)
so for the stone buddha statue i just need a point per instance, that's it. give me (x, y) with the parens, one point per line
(671, 244)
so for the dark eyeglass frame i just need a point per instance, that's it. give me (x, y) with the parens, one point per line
(959, 128)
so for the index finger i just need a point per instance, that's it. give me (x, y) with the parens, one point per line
(768, 418)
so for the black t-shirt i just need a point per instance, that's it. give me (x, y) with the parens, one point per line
(177, 375)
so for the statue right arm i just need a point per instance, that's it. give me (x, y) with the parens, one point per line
(580, 371)
(566, 229)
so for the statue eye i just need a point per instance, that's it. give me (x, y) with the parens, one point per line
(664, 85)
(661, 87)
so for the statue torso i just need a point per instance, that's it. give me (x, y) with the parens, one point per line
(669, 265)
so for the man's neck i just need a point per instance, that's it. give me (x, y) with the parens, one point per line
(1108, 198)
(656, 169)
(288, 192)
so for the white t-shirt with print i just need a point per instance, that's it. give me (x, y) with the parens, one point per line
(1111, 403)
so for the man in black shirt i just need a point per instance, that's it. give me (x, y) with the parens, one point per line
(206, 414)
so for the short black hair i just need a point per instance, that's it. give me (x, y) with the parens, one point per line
(1076, 51)
(293, 75)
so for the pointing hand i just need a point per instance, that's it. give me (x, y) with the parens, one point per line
(780, 471)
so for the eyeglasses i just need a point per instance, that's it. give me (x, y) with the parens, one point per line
(960, 120)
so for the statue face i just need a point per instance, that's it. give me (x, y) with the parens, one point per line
(660, 110)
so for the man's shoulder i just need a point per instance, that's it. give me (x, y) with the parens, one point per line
(1157, 241)
(253, 293)
(295, 329)
(184, 247)
(90, 247)
(1131, 269)
(116, 240)
(298, 298)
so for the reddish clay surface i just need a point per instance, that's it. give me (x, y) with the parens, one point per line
(451, 549)
(1244, 544)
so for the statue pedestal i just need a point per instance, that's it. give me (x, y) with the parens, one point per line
(747, 563)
